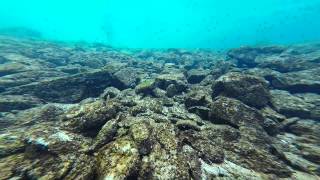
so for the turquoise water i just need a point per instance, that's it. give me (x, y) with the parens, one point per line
(167, 23)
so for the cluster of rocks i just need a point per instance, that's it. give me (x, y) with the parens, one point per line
(79, 111)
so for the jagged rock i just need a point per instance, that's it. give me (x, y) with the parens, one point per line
(207, 150)
(253, 140)
(28, 77)
(290, 105)
(197, 101)
(269, 113)
(79, 87)
(305, 127)
(109, 93)
(234, 113)
(246, 56)
(222, 67)
(145, 87)
(128, 78)
(272, 127)
(45, 113)
(118, 159)
(172, 83)
(251, 90)
(224, 132)
(164, 127)
(10, 144)
(89, 118)
(198, 97)
(196, 75)
(164, 160)
(187, 124)
(276, 58)
(306, 81)
(11, 68)
(312, 99)
(299, 82)
(18, 102)
(105, 135)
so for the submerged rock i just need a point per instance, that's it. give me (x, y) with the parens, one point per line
(196, 76)
(18, 102)
(68, 89)
(90, 117)
(293, 106)
(128, 78)
(173, 83)
(145, 87)
(195, 114)
(251, 90)
(246, 56)
(119, 159)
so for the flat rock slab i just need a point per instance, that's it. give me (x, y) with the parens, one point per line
(67, 89)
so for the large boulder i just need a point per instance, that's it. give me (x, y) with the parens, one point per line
(299, 82)
(67, 89)
(18, 102)
(277, 58)
(295, 82)
(173, 83)
(234, 113)
(198, 101)
(195, 76)
(27, 77)
(127, 78)
(252, 140)
(295, 106)
(251, 90)
(90, 117)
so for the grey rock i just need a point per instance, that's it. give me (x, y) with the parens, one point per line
(234, 113)
(172, 83)
(195, 76)
(18, 102)
(249, 89)
(127, 77)
(292, 106)
(67, 89)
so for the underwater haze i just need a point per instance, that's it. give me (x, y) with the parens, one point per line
(160, 90)
(167, 23)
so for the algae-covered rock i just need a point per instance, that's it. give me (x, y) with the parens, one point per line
(195, 114)
(187, 124)
(234, 113)
(89, 118)
(172, 83)
(118, 160)
(79, 87)
(145, 86)
(251, 90)
(195, 76)
(127, 77)
(18, 102)
(290, 105)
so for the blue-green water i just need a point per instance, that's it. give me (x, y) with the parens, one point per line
(168, 23)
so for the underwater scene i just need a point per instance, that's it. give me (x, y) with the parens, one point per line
(159, 90)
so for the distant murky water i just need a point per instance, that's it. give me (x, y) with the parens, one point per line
(168, 23)
(114, 89)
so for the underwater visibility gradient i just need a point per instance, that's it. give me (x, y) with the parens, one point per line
(159, 89)
(167, 23)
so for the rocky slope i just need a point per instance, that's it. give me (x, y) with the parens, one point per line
(94, 112)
